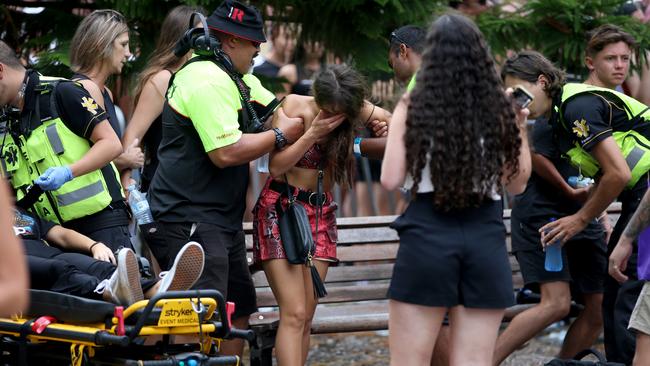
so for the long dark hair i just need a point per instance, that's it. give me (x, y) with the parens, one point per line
(459, 118)
(342, 89)
(172, 28)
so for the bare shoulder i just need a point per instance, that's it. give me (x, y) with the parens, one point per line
(160, 80)
(299, 106)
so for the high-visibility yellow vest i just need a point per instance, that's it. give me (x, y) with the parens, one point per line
(635, 147)
(51, 144)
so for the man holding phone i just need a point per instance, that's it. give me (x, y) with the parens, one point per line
(549, 195)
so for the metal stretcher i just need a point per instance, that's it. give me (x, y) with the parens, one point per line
(69, 330)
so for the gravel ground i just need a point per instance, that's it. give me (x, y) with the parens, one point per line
(371, 349)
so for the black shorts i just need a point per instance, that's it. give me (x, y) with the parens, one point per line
(452, 258)
(226, 266)
(109, 226)
(584, 263)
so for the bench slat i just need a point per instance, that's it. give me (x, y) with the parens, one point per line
(369, 291)
(367, 235)
(359, 253)
(367, 252)
(339, 274)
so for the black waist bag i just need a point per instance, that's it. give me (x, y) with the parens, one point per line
(577, 360)
(295, 231)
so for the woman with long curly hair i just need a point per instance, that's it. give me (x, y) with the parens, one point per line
(454, 141)
(145, 125)
(330, 117)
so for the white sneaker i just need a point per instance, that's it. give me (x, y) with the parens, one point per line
(186, 270)
(123, 286)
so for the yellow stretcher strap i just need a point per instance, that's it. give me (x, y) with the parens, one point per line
(76, 354)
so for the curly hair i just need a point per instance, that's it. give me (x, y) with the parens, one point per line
(341, 89)
(460, 120)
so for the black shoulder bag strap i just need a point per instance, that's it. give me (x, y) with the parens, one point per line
(319, 286)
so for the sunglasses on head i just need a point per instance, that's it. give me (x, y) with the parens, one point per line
(113, 14)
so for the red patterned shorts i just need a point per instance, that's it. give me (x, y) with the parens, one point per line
(266, 233)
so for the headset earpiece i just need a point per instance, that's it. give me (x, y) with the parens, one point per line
(182, 46)
(204, 43)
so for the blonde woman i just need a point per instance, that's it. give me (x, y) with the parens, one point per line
(99, 49)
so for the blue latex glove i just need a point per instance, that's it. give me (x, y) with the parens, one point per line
(54, 178)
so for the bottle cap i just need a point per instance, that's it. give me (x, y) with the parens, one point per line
(130, 188)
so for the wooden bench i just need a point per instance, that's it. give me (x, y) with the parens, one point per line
(357, 287)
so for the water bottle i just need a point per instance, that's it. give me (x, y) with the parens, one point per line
(553, 260)
(139, 206)
(579, 181)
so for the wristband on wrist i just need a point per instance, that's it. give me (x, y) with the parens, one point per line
(357, 147)
(280, 140)
(93, 245)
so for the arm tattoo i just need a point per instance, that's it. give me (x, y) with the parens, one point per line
(640, 220)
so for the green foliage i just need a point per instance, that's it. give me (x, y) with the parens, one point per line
(557, 28)
(354, 30)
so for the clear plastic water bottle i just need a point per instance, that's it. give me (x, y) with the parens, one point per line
(553, 260)
(139, 206)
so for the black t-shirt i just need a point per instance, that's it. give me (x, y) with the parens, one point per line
(541, 201)
(266, 69)
(30, 227)
(111, 114)
(32, 230)
(592, 118)
(77, 109)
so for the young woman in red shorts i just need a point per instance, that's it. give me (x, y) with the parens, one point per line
(330, 117)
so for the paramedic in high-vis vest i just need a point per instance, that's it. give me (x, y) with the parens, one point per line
(605, 134)
(58, 138)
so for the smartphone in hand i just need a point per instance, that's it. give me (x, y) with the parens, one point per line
(522, 97)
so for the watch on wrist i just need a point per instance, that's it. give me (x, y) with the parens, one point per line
(280, 140)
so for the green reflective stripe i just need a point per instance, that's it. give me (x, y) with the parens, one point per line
(80, 194)
(633, 158)
(55, 141)
(411, 85)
